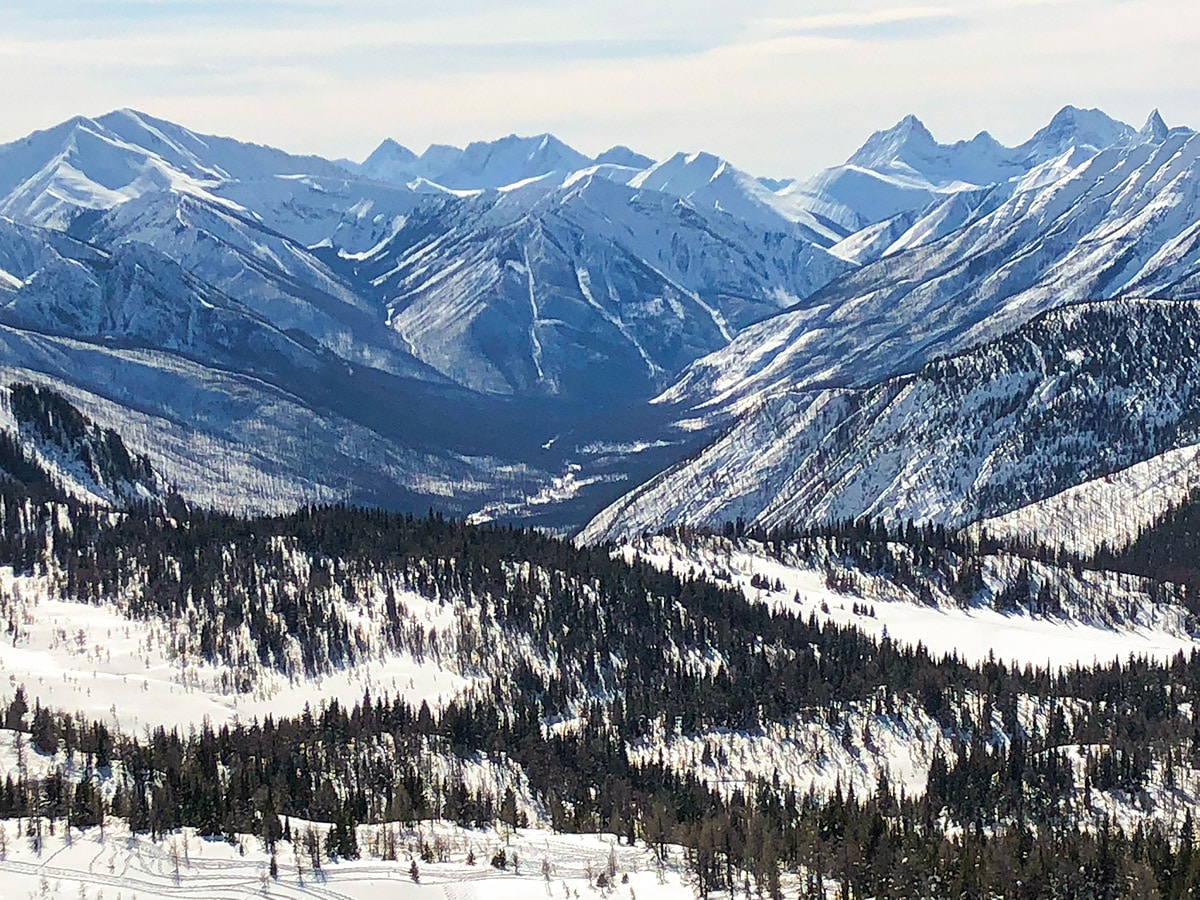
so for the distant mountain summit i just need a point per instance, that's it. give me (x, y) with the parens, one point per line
(908, 150)
(391, 162)
(91, 165)
(1072, 127)
(480, 165)
(1155, 128)
(902, 169)
(623, 156)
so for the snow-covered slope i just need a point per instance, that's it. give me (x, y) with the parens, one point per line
(50, 447)
(709, 182)
(521, 281)
(52, 176)
(1081, 392)
(1083, 225)
(595, 289)
(1108, 511)
(833, 588)
(903, 169)
(112, 862)
(151, 673)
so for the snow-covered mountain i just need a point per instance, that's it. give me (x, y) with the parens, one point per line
(482, 164)
(620, 155)
(81, 165)
(594, 289)
(170, 257)
(204, 385)
(401, 301)
(903, 169)
(708, 182)
(1080, 393)
(1083, 225)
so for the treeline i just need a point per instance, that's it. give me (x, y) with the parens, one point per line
(1168, 548)
(669, 645)
(43, 415)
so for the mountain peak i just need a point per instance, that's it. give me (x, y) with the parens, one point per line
(913, 125)
(621, 155)
(390, 150)
(985, 139)
(682, 173)
(126, 112)
(1076, 127)
(884, 148)
(1155, 128)
(391, 161)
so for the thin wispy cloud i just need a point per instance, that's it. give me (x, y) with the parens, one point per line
(866, 23)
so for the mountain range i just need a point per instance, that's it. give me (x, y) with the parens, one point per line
(881, 492)
(515, 329)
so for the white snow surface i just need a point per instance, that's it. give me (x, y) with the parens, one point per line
(134, 674)
(810, 753)
(1109, 511)
(117, 864)
(974, 634)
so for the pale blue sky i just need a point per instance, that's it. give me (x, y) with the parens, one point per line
(781, 89)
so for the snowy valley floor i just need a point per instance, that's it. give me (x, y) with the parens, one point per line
(120, 866)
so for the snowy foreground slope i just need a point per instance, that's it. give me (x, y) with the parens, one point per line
(94, 866)
(130, 674)
(437, 672)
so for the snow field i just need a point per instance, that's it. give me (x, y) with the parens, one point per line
(117, 865)
(853, 752)
(131, 674)
(975, 634)
(1111, 510)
